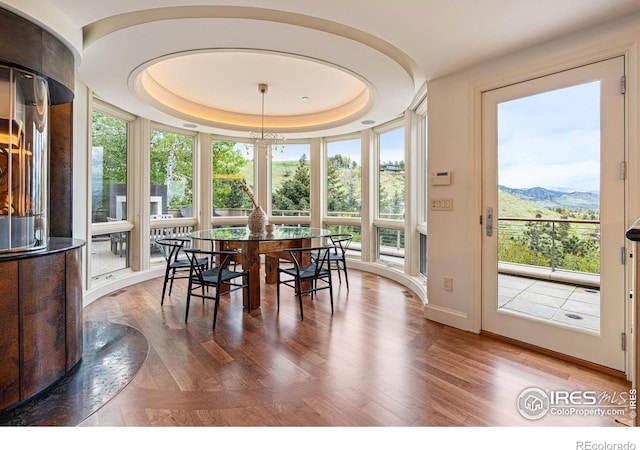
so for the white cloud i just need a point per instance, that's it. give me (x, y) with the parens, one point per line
(551, 139)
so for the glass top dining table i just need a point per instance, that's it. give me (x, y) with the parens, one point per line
(251, 245)
(244, 234)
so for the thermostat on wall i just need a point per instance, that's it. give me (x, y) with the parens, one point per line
(440, 178)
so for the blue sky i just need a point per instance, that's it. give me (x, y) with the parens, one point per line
(391, 144)
(351, 148)
(292, 152)
(551, 139)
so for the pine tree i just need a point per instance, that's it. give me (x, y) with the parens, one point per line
(294, 193)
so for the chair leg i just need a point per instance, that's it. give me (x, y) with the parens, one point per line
(215, 309)
(173, 274)
(186, 315)
(299, 292)
(346, 275)
(331, 291)
(164, 286)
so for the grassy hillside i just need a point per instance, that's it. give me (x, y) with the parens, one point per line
(511, 206)
(280, 170)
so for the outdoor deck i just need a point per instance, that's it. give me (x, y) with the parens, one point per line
(554, 301)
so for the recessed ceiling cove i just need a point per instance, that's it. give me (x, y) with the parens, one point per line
(217, 87)
(202, 66)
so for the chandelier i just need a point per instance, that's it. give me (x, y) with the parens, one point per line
(266, 141)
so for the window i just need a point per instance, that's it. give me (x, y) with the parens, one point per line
(231, 166)
(171, 190)
(423, 194)
(109, 253)
(171, 175)
(423, 254)
(389, 224)
(391, 245)
(424, 173)
(391, 176)
(344, 174)
(109, 249)
(108, 168)
(355, 248)
(291, 181)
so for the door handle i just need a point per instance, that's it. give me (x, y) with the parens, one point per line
(489, 221)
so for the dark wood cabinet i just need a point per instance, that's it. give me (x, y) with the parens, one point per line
(9, 335)
(41, 319)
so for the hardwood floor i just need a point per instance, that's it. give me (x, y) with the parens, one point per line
(375, 362)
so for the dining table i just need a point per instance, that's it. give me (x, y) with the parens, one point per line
(251, 245)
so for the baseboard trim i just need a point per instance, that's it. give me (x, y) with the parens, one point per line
(560, 356)
(120, 281)
(446, 316)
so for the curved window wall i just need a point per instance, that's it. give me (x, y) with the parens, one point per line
(350, 184)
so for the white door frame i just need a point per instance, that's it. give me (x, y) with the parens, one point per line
(632, 197)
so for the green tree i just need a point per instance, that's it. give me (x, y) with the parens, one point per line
(294, 192)
(519, 251)
(337, 195)
(228, 163)
(110, 134)
(343, 184)
(109, 161)
(172, 165)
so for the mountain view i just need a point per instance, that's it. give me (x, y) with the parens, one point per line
(566, 238)
(560, 198)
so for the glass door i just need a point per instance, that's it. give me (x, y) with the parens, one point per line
(553, 213)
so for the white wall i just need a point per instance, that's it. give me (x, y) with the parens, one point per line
(453, 144)
(80, 164)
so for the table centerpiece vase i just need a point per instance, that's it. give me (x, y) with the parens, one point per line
(257, 219)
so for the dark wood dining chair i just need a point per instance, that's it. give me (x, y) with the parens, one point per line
(216, 280)
(308, 275)
(338, 255)
(177, 265)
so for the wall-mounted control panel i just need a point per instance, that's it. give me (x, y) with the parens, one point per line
(441, 204)
(440, 178)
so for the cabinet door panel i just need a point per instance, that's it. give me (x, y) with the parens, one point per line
(9, 335)
(42, 298)
(74, 307)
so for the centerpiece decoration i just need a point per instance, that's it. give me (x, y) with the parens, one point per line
(257, 219)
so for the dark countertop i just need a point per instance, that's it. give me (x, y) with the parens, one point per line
(56, 245)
